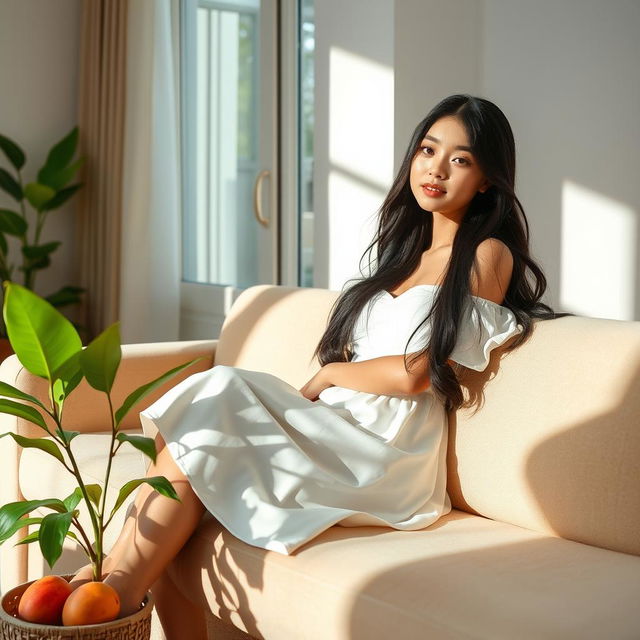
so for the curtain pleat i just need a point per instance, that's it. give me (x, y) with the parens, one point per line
(101, 120)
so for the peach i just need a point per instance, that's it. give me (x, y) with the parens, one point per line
(43, 600)
(91, 603)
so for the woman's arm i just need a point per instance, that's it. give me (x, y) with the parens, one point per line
(384, 376)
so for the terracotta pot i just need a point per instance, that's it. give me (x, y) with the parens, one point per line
(5, 349)
(137, 626)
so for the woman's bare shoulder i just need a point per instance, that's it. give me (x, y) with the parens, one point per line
(494, 262)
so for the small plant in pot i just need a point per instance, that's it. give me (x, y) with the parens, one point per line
(48, 346)
(50, 191)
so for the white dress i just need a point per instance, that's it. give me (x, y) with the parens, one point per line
(277, 469)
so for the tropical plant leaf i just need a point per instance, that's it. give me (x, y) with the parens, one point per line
(48, 446)
(68, 436)
(159, 483)
(14, 153)
(22, 411)
(19, 524)
(9, 184)
(65, 296)
(145, 389)
(142, 443)
(53, 531)
(43, 339)
(4, 247)
(32, 537)
(38, 194)
(9, 391)
(11, 512)
(72, 500)
(62, 152)
(12, 223)
(57, 179)
(70, 373)
(61, 197)
(34, 252)
(101, 359)
(94, 491)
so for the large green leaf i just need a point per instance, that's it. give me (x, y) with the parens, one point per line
(38, 194)
(61, 197)
(145, 389)
(8, 183)
(22, 411)
(48, 446)
(11, 512)
(14, 153)
(142, 443)
(53, 531)
(101, 359)
(12, 223)
(62, 152)
(8, 391)
(43, 339)
(159, 483)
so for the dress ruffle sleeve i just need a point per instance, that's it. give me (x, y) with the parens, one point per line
(486, 325)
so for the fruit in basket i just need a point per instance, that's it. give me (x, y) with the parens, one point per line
(91, 603)
(43, 600)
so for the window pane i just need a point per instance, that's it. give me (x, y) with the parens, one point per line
(306, 118)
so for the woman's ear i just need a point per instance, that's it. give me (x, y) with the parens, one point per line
(485, 185)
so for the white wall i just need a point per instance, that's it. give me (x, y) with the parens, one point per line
(437, 52)
(39, 43)
(354, 136)
(566, 74)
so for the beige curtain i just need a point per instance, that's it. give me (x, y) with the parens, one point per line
(101, 119)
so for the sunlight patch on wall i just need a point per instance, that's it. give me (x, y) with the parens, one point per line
(598, 254)
(361, 116)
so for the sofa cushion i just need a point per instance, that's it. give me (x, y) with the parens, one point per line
(464, 577)
(41, 476)
(555, 445)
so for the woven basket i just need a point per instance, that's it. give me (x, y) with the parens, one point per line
(137, 626)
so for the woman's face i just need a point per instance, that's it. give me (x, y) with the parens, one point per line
(443, 161)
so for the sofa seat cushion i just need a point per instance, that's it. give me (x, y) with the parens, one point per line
(464, 577)
(42, 476)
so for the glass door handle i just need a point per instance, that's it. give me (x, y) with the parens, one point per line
(257, 197)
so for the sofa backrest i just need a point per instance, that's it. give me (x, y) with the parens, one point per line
(552, 442)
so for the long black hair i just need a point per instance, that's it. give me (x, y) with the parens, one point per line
(405, 231)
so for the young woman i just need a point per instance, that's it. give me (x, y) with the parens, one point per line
(364, 441)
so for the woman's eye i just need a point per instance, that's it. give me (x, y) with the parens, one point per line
(426, 149)
(464, 161)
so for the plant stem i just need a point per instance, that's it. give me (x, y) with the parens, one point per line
(76, 472)
(101, 511)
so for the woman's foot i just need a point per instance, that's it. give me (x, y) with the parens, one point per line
(130, 601)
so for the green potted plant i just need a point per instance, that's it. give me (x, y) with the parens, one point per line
(48, 345)
(48, 192)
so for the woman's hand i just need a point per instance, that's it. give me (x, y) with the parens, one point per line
(317, 384)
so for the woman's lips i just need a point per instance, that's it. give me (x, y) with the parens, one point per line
(432, 193)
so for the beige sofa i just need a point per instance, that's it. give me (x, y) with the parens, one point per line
(543, 539)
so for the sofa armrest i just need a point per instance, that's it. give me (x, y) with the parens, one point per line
(87, 411)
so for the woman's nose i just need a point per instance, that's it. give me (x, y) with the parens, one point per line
(436, 168)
